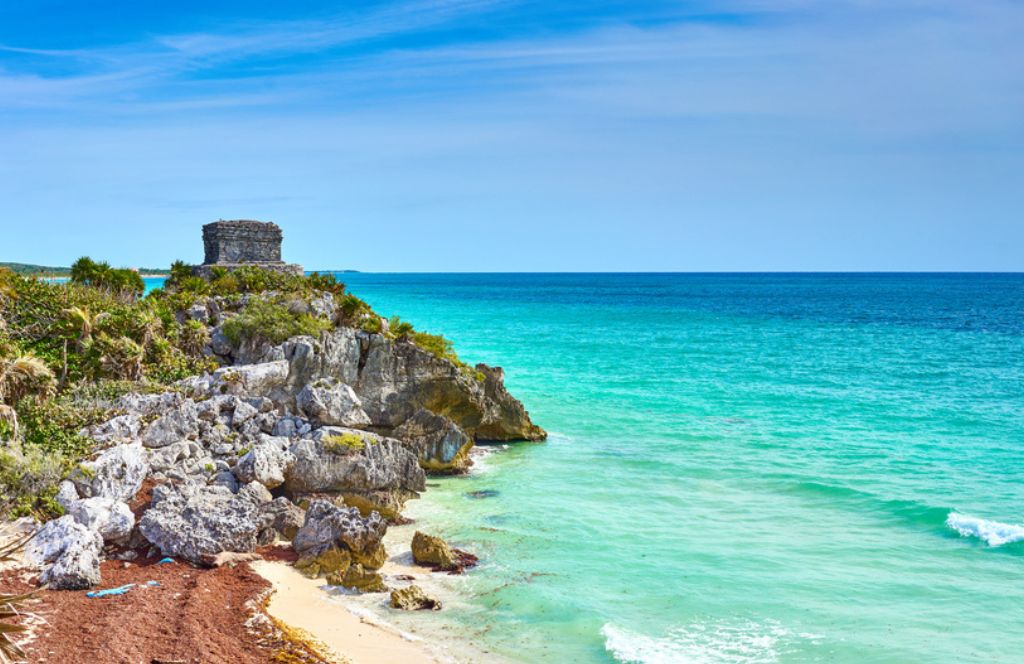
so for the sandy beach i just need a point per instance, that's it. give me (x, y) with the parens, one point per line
(300, 603)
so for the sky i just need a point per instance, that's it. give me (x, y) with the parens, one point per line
(494, 135)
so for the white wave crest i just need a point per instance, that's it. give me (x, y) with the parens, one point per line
(698, 643)
(992, 532)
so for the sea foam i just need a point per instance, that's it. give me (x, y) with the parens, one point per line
(698, 643)
(993, 533)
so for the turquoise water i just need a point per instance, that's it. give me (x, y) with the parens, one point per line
(742, 468)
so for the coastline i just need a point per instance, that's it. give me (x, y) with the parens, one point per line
(302, 604)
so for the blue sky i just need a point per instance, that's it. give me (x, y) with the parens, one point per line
(490, 135)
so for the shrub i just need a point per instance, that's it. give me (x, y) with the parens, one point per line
(271, 321)
(343, 443)
(100, 275)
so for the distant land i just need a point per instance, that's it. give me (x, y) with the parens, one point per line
(47, 271)
(43, 270)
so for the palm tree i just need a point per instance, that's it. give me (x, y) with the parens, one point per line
(24, 375)
(81, 322)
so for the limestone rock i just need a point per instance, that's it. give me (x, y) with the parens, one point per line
(382, 464)
(250, 379)
(329, 402)
(172, 427)
(412, 598)
(441, 445)
(112, 519)
(117, 473)
(433, 551)
(328, 525)
(70, 550)
(266, 463)
(358, 578)
(283, 516)
(193, 521)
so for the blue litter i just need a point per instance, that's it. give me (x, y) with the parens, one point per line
(166, 561)
(112, 591)
(153, 584)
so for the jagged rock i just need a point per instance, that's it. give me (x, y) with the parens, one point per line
(441, 445)
(72, 552)
(436, 553)
(250, 379)
(191, 521)
(413, 598)
(266, 463)
(146, 405)
(172, 427)
(332, 560)
(283, 516)
(381, 464)
(327, 524)
(329, 402)
(112, 519)
(117, 430)
(358, 578)
(67, 494)
(117, 473)
(243, 413)
(373, 559)
(257, 493)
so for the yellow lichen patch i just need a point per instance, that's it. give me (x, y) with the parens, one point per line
(343, 443)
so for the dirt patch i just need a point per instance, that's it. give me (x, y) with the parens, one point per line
(189, 616)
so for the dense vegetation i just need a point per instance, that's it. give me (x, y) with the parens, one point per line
(49, 271)
(68, 350)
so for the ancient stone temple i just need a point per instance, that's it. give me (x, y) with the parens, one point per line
(233, 244)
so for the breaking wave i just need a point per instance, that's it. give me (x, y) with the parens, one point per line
(993, 533)
(698, 643)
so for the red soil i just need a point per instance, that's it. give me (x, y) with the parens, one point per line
(194, 616)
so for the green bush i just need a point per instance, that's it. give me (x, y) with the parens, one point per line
(271, 321)
(343, 443)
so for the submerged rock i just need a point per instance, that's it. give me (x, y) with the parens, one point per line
(412, 598)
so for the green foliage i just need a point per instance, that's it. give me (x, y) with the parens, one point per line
(371, 324)
(100, 275)
(343, 443)
(398, 327)
(271, 321)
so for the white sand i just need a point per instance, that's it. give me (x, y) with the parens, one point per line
(301, 603)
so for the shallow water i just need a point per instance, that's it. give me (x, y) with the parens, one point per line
(742, 468)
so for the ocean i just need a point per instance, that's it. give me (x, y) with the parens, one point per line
(742, 468)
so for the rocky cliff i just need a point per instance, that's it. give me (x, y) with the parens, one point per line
(350, 420)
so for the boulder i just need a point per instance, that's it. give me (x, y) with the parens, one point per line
(328, 464)
(192, 522)
(112, 519)
(412, 598)
(266, 463)
(117, 430)
(69, 553)
(283, 516)
(327, 525)
(442, 447)
(358, 578)
(433, 551)
(329, 402)
(117, 473)
(172, 427)
(250, 379)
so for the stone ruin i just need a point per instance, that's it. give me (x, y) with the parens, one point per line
(242, 242)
